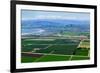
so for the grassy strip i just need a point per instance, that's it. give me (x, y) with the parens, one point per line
(48, 58)
(79, 58)
(27, 59)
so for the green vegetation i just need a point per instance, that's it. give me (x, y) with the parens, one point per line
(27, 59)
(28, 48)
(55, 49)
(63, 49)
(79, 58)
(53, 58)
(76, 34)
(82, 52)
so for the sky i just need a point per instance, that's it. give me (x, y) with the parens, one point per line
(35, 15)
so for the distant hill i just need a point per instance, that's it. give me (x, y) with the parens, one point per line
(53, 26)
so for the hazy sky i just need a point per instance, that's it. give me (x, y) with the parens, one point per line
(34, 15)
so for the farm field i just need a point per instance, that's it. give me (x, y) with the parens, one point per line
(47, 50)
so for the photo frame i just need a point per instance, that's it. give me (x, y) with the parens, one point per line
(52, 36)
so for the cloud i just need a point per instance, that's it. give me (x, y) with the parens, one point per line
(53, 17)
(38, 17)
(35, 15)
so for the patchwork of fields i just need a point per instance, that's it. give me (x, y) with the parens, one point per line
(45, 50)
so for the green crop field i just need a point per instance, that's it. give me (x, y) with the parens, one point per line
(54, 50)
(27, 48)
(52, 57)
(79, 58)
(27, 59)
(82, 52)
(47, 58)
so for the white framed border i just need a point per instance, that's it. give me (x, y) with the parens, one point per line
(19, 65)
